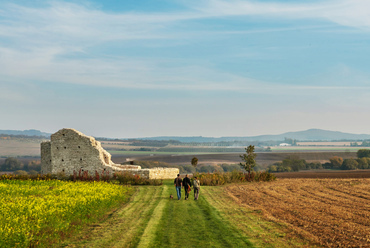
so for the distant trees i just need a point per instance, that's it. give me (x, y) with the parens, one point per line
(349, 164)
(365, 143)
(293, 142)
(293, 163)
(363, 153)
(13, 164)
(363, 163)
(336, 162)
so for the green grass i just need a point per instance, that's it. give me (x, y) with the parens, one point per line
(194, 224)
(122, 228)
(151, 219)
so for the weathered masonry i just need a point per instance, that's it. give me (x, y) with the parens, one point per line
(70, 150)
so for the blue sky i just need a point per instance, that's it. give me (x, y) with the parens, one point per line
(187, 68)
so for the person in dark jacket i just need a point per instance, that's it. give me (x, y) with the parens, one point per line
(186, 183)
(178, 184)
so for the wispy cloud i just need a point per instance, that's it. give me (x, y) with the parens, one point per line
(352, 13)
(54, 43)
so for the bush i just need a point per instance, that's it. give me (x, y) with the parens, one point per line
(231, 167)
(128, 178)
(119, 177)
(188, 169)
(279, 167)
(349, 164)
(294, 162)
(336, 162)
(363, 153)
(218, 178)
(314, 166)
(20, 172)
(363, 163)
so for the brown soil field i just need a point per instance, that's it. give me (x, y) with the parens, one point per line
(327, 212)
(20, 147)
(325, 174)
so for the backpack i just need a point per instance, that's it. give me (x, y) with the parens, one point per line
(196, 183)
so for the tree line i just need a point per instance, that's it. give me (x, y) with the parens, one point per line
(294, 163)
(14, 165)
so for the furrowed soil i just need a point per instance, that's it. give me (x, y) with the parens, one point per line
(327, 212)
(152, 219)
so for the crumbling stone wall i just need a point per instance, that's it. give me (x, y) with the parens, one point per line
(46, 157)
(163, 173)
(70, 150)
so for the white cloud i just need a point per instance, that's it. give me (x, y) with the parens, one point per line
(352, 13)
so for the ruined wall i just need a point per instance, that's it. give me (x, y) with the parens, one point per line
(46, 157)
(163, 173)
(70, 150)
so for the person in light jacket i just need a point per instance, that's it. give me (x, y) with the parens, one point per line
(196, 186)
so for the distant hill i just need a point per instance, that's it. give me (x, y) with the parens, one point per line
(30, 132)
(307, 135)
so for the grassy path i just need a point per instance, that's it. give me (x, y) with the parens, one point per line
(124, 227)
(194, 224)
(153, 222)
(151, 219)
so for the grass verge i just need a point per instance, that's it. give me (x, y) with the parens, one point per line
(250, 222)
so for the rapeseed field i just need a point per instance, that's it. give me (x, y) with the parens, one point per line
(39, 213)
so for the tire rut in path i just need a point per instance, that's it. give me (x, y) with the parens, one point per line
(123, 228)
(150, 229)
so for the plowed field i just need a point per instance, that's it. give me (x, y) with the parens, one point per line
(328, 212)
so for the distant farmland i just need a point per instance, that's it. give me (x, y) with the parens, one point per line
(181, 155)
(326, 143)
(20, 147)
(263, 158)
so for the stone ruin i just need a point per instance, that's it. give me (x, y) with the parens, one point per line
(70, 150)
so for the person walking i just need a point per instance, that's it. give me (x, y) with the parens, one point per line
(187, 186)
(196, 186)
(178, 184)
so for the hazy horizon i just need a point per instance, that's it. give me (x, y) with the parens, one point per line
(210, 68)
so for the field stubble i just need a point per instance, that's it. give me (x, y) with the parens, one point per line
(328, 212)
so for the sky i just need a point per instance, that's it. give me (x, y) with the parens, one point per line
(126, 69)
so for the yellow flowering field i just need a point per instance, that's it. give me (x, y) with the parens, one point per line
(38, 213)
